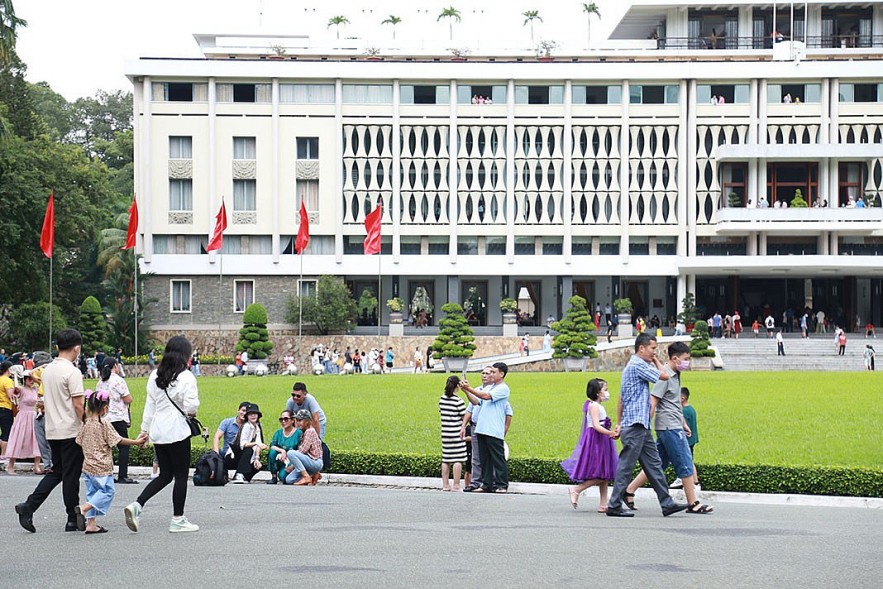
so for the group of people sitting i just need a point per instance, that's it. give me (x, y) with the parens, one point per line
(296, 452)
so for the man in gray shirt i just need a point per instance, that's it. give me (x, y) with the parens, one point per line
(671, 428)
(301, 399)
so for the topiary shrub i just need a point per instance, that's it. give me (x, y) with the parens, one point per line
(575, 338)
(455, 336)
(701, 340)
(797, 202)
(254, 337)
(92, 326)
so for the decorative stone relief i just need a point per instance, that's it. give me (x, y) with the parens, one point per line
(181, 218)
(244, 169)
(180, 169)
(307, 170)
(314, 217)
(245, 218)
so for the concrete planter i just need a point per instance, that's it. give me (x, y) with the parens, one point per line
(510, 319)
(455, 364)
(395, 317)
(510, 325)
(701, 364)
(625, 327)
(575, 364)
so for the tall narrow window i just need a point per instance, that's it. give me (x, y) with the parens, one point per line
(307, 148)
(244, 148)
(244, 195)
(243, 295)
(308, 193)
(179, 301)
(180, 148)
(181, 195)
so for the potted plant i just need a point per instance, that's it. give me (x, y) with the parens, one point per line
(455, 341)
(459, 53)
(734, 200)
(373, 53)
(367, 306)
(689, 313)
(545, 48)
(797, 202)
(508, 306)
(278, 51)
(624, 317)
(421, 307)
(574, 343)
(699, 347)
(395, 306)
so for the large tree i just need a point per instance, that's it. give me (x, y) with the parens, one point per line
(332, 309)
(9, 24)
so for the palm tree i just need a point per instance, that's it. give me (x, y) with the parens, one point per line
(529, 17)
(590, 8)
(336, 21)
(452, 14)
(392, 20)
(8, 25)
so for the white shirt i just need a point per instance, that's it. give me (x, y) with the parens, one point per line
(770, 322)
(161, 420)
(779, 338)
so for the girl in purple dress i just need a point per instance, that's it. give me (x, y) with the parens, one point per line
(594, 459)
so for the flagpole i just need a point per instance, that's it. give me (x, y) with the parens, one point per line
(379, 286)
(135, 308)
(300, 298)
(50, 304)
(221, 307)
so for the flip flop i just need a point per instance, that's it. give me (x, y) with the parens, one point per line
(700, 509)
(81, 521)
(100, 530)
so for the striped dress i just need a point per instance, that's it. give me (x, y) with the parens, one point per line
(452, 410)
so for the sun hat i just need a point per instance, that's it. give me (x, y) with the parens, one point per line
(304, 414)
(253, 408)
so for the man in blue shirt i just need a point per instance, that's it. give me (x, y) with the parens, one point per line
(642, 370)
(491, 429)
(471, 418)
(227, 431)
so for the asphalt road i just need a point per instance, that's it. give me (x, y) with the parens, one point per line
(335, 536)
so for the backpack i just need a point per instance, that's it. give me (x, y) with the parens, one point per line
(210, 470)
(326, 458)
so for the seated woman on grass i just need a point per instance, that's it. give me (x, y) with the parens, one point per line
(305, 463)
(286, 438)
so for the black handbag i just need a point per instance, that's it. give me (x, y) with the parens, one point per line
(196, 427)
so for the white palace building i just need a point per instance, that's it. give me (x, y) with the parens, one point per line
(635, 169)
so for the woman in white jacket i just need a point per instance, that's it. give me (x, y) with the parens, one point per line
(170, 387)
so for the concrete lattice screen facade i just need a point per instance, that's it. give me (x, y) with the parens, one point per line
(605, 174)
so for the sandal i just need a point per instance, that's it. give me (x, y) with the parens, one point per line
(629, 500)
(602, 509)
(695, 507)
(574, 497)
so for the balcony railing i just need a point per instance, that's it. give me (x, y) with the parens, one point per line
(797, 219)
(766, 42)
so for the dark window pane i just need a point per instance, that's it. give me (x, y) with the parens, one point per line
(180, 92)
(243, 92)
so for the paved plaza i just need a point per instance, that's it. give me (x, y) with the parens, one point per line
(338, 536)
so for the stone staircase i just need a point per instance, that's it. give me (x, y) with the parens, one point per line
(814, 353)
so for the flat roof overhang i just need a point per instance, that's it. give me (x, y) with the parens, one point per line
(779, 152)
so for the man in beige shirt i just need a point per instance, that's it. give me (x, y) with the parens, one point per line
(63, 400)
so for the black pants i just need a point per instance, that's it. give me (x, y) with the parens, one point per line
(67, 466)
(781, 349)
(122, 428)
(244, 465)
(494, 470)
(841, 351)
(174, 463)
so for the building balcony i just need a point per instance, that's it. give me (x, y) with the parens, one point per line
(723, 43)
(809, 221)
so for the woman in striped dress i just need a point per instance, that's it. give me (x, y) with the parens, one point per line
(452, 409)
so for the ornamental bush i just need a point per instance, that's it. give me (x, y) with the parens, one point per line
(701, 340)
(575, 338)
(254, 337)
(455, 337)
(92, 326)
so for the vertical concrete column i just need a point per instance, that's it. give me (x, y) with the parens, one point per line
(751, 181)
(396, 207)
(510, 172)
(682, 177)
(691, 172)
(453, 198)
(762, 139)
(276, 178)
(682, 291)
(214, 199)
(833, 192)
(691, 283)
(567, 171)
(145, 170)
(834, 250)
(624, 176)
(566, 293)
(338, 177)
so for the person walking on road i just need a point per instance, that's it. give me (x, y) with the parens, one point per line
(642, 370)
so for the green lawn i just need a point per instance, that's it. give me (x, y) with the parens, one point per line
(786, 418)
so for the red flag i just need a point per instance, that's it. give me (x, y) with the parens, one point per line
(47, 235)
(303, 232)
(217, 240)
(372, 227)
(132, 231)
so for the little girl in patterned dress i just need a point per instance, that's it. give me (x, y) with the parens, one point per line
(98, 437)
(594, 459)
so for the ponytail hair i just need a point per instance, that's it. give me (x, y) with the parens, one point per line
(174, 361)
(107, 368)
(451, 385)
(96, 401)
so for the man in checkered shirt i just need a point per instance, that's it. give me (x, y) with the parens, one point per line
(642, 370)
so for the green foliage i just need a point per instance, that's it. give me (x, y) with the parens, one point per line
(29, 326)
(254, 337)
(623, 306)
(508, 305)
(203, 359)
(92, 326)
(367, 302)
(332, 309)
(701, 340)
(734, 200)
(689, 312)
(455, 337)
(798, 202)
(575, 338)
(395, 304)
(421, 302)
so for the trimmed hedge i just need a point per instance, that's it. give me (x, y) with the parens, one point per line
(811, 480)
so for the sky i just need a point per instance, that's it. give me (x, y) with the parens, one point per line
(81, 47)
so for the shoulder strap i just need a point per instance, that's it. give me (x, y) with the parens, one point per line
(173, 403)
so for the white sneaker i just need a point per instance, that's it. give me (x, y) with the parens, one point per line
(153, 475)
(697, 487)
(676, 484)
(133, 515)
(182, 525)
(238, 479)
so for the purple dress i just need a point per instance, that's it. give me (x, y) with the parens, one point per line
(595, 454)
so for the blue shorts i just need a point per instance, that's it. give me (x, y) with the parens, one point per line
(674, 450)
